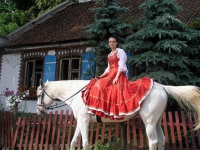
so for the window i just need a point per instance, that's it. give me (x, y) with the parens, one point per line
(33, 73)
(70, 69)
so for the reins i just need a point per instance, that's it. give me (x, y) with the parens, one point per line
(56, 105)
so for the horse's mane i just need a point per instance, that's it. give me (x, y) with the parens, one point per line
(65, 85)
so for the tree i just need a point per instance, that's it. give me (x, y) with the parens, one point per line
(164, 48)
(14, 14)
(45, 5)
(107, 22)
(23, 4)
(196, 24)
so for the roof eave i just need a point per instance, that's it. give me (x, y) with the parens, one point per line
(76, 43)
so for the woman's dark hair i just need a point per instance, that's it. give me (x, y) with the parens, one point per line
(115, 37)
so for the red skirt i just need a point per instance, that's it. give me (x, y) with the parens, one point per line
(115, 101)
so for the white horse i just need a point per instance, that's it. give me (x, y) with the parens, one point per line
(150, 111)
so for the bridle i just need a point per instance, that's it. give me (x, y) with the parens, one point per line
(42, 100)
(53, 106)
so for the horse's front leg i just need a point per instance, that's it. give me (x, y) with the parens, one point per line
(83, 123)
(75, 138)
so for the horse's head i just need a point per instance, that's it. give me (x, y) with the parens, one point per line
(44, 100)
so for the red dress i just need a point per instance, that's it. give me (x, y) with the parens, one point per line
(115, 101)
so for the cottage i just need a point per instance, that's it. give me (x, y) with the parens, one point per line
(55, 46)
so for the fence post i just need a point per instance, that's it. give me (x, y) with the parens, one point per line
(123, 135)
(15, 111)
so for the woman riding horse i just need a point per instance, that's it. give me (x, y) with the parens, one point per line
(112, 94)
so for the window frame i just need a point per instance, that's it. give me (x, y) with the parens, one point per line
(34, 72)
(70, 70)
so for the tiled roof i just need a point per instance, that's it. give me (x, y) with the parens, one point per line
(69, 23)
(3, 37)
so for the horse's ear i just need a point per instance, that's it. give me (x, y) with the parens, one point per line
(41, 83)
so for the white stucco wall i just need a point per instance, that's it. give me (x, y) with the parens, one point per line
(10, 73)
(9, 79)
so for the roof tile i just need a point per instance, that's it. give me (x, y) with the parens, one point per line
(68, 24)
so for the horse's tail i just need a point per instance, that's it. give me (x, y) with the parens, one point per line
(187, 97)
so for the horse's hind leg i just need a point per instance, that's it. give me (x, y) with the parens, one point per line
(152, 135)
(75, 138)
(151, 118)
(151, 114)
(150, 122)
(160, 135)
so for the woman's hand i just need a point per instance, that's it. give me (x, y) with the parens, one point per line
(103, 75)
(115, 80)
(97, 77)
(116, 77)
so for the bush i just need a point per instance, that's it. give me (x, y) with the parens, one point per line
(111, 145)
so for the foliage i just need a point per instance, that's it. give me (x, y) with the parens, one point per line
(116, 145)
(164, 48)
(46, 5)
(106, 23)
(76, 1)
(22, 108)
(196, 24)
(14, 14)
(23, 4)
(15, 97)
(32, 91)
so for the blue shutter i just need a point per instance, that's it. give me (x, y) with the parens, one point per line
(49, 68)
(88, 66)
(128, 65)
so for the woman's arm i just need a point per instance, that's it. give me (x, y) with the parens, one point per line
(105, 72)
(103, 75)
(122, 60)
(121, 64)
(116, 77)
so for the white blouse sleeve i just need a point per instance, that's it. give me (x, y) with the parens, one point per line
(107, 69)
(122, 60)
